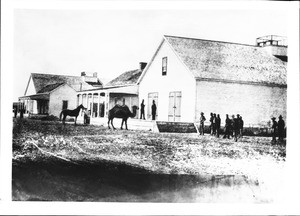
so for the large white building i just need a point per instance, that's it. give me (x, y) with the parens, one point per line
(187, 76)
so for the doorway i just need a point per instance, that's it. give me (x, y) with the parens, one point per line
(174, 113)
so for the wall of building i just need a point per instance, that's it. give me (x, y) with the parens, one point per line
(178, 78)
(63, 92)
(255, 103)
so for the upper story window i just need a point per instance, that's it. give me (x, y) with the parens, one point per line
(164, 65)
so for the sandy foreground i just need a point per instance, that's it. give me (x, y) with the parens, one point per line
(93, 163)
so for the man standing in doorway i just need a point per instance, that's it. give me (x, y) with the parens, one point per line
(153, 110)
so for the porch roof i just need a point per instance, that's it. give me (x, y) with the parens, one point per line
(130, 89)
(39, 96)
(124, 89)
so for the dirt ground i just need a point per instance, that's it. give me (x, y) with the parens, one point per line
(92, 163)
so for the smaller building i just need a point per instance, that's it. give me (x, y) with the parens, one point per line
(50, 94)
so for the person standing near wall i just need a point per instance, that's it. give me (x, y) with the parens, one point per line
(211, 119)
(281, 126)
(274, 130)
(153, 110)
(15, 112)
(241, 126)
(235, 127)
(214, 123)
(21, 112)
(218, 125)
(202, 120)
(142, 110)
(227, 127)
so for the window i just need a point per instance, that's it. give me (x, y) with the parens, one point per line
(65, 104)
(164, 65)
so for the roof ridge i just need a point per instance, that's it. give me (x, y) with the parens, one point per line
(55, 74)
(211, 40)
(130, 71)
(125, 73)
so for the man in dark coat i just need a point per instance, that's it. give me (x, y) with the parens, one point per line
(218, 125)
(214, 124)
(274, 130)
(227, 127)
(153, 110)
(15, 112)
(211, 119)
(142, 110)
(21, 112)
(202, 120)
(235, 127)
(281, 126)
(241, 126)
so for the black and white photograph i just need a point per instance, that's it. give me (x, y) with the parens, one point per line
(150, 103)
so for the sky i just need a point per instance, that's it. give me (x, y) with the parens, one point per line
(111, 42)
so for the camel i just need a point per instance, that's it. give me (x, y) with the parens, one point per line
(122, 112)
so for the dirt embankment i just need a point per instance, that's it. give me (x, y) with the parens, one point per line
(84, 162)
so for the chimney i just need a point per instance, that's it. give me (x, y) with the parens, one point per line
(83, 76)
(274, 45)
(143, 65)
(95, 74)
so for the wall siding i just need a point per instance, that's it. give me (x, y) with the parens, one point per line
(64, 92)
(178, 78)
(255, 103)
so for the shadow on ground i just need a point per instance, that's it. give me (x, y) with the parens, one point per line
(55, 180)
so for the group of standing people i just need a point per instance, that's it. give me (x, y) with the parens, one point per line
(153, 110)
(277, 129)
(21, 111)
(233, 126)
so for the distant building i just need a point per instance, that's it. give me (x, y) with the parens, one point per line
(187, 76)
(50, 94)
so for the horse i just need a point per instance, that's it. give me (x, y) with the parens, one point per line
(73, 113)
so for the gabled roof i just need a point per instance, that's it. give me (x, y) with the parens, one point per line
(228, 61)
(48, 82)
(225, 61)
(127, 78)
(49, 88)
